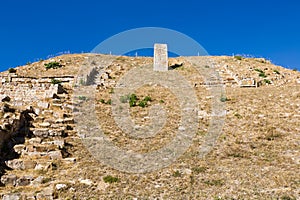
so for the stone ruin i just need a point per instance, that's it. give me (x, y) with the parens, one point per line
(160, 57)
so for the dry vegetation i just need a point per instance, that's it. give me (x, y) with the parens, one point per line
(256, 157)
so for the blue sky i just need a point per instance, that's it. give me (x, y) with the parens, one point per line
(31, 30)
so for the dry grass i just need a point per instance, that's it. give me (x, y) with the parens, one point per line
(256, 157)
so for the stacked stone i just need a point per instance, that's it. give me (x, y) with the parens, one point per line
(52, 122)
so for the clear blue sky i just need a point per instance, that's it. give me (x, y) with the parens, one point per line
(32, 29)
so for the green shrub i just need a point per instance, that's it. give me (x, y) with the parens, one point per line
(12, 70)
(108, 102)
(55, 81)
(105, 102)
(177, 174)
(238, 57)
(259, 70)
(276, 71)
(132, 100)
(142, 104)
(224, 99)
(262, 74)
(83, 98)
(110, 179)
(53, 65)
(147, 98)
(267, 81)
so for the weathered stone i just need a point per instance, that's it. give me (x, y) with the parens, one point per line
(43, 105)
(9, 179)
(55, 155)
(42, 132)
(69, 160)
(11, 197)
(35, 141)
(44, 124)
(86, 182)
(46, 194)
(43, 166)
(39, 180)
(58, 143)
(60, 186)
(19, 148)
(14, 164)
(6, 99)
(68, 121)
(23, 181)
(28, 164)
(21, 164)
(160, 57)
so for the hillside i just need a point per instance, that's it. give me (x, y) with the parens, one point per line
(245, 146)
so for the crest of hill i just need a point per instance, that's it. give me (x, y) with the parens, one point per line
(259, 69)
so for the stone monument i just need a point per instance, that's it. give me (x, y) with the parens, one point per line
(160, 57)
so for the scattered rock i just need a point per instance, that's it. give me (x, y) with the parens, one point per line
(9, 179)
(60, 186)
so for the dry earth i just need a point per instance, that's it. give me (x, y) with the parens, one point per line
(257, 155)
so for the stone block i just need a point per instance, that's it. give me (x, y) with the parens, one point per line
(23, 181)
(11, 197)
(160, 57)
(9, 179)
(42, 132)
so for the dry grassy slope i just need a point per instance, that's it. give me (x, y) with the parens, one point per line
(256, 157)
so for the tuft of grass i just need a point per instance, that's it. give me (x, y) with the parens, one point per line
(224, 99)
(259, 70)
(214, 182)
(267, 81)
(83, 98)
(108, 102)
(110, 179)
(276, 71)
(53, 65)
(55, 81)
(238, 115)
(177, 174)
(132, 100)
(198, 170)
(12, 70)
(161, 101)
(262, 74)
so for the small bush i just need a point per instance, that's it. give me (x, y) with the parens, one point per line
(276, 71)
(177, 174)
(259, 70)
(53, 65)
(102, 101)
(12, 70)
(214, 182)
(238, 57)
(267, 81)
(55, 81)
(142, 104)
(147, 98)
(108, 102)
(105, 102)
(224, 99)
(262, 74)
(110, 179)
(83, 98)
(132, 100)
